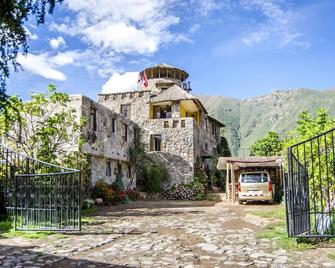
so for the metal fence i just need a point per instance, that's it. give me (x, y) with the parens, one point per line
(310, 187)
(38, 195)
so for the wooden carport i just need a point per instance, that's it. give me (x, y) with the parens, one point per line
(235, 165)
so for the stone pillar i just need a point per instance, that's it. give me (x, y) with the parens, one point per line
(175, 110)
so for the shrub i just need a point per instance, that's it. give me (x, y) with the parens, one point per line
(105, 191)
(155, 174)
(88, 203)
(133, 195)
(191, 191)
(118, 186)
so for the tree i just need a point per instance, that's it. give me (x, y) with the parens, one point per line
(137, 155)
(223, 148)
(309, 126)
(47, 128)
(14, 37)
(270, 145)
(315, 157)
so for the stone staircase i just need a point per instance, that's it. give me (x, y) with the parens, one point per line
(176, 167)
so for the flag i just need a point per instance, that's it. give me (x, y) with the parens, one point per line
(145, 80)
(142, 79)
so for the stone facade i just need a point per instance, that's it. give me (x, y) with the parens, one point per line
(177, 128)
(107, 136)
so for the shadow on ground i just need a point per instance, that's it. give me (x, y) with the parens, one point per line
(29, 256)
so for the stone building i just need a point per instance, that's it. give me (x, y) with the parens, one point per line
(107, 137)
(177, 128)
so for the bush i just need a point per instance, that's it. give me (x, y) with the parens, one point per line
(191, 191)
(118, 186)
(87, 204)
(105, 191)
(155, 174)
(133, 195)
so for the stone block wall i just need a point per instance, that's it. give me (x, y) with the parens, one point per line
(180, 145)
(177, 147)
(102, 144)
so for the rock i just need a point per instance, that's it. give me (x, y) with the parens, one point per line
(207, 247)
(328, 264)
(245, 264)
(259, 255)
(99, 201)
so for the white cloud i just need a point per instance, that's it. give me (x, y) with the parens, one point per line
(123, 26)
(40, 65)
(31, 35)
(205, 7)
(280, 24)
(57, 42)
(121, 82)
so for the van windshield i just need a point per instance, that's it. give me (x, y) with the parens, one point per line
(254, 177)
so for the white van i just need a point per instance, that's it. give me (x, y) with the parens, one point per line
(255, 186)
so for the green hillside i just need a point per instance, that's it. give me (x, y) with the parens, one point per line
(250, 119)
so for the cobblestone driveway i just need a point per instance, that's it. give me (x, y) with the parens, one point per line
(162, 234)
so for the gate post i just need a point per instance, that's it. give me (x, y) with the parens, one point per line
(288, 194)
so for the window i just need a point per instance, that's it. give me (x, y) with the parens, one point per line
(155, 142)
(175, 124)
(129, 171)
(213, 129)
(118, 169)
(125, 110)
(125, 132)
(206, 146)
(163, 111)
(93, 119)
(113, 125)
(182, 122)
(108, 169)
(254, 177)
(166, 124)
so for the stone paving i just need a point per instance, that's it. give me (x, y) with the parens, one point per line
(162, 234)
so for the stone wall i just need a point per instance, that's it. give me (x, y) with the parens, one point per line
(181, 146)
(102, 143)
(98, 171)
(177, 145)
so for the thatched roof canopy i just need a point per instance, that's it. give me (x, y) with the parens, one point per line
(251, 161)
(174, 93)
(166, 70)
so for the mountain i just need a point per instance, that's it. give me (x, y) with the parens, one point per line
(250, 119)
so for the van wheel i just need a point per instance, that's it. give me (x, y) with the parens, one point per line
(240, 202)
(270, 202)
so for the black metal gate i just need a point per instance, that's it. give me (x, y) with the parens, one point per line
(310, 187)
(37, 195)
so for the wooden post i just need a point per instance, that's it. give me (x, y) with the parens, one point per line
(233, 182)
(227, 183)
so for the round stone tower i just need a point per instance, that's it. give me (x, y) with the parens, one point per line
(163, 76)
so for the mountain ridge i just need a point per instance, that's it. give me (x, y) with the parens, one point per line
(249, 119)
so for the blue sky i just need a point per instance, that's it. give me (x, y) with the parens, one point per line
(233, 48)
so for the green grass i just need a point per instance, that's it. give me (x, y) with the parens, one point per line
(88, 220)
(7, 231)
(275, 214)
(26, 234)
(5, 226)
(331, 256)
(277, 231)
(89, 211)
